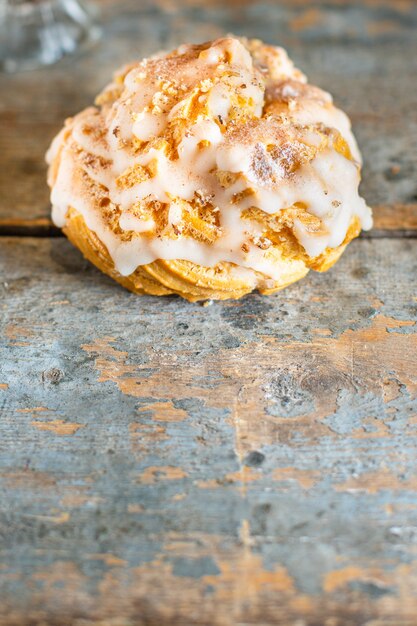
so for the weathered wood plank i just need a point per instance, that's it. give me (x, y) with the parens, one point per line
(248, 463)
(363, 52)
(395, 217)
(253, 462)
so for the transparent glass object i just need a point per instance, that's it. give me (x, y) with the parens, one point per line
(34, 33)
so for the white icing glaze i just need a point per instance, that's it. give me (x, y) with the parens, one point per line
(222, 76)
(128, 222)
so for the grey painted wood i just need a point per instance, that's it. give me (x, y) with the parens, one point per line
(251, 462)
(362, 52)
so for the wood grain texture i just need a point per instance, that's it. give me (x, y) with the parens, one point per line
(362, 52)
(251, 462)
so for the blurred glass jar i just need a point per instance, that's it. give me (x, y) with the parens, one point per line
(34, 33)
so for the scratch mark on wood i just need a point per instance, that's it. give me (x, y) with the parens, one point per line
(381, 480)
(159, 472)
(109, 559)
(59, 518)
(305, 478)
(341, 577)
(143, 436)
(35, 409)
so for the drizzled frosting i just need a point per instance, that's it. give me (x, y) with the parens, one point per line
(183, 150)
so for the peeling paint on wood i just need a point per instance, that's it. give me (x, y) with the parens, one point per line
(252, 462)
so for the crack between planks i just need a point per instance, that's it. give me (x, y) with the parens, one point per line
(38, 233)
(39, 227)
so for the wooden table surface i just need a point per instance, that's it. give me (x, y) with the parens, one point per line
(247, 463)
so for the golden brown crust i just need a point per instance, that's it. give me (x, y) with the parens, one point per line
(194, 282)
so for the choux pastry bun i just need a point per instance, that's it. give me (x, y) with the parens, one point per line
(209, 172)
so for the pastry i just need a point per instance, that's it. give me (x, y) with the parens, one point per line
(209, 172)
